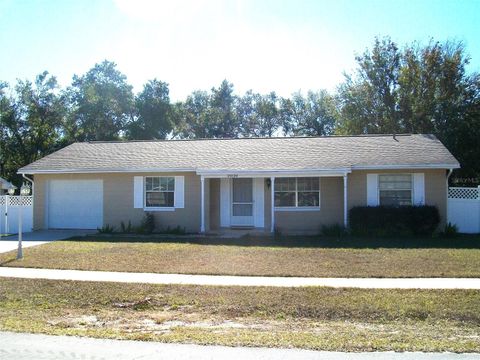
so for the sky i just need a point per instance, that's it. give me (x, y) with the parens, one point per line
(264, 45)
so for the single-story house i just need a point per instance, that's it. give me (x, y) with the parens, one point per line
(294, 184)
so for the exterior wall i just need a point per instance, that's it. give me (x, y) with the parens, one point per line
(331, 200)
(311, 221)
(436, 192)
(118, 200)
(214, 204)
(207, 204)
(268, 207)
(435, 188)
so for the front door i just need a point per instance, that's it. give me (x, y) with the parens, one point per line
(242, 202)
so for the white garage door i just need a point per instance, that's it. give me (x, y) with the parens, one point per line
(75, 204)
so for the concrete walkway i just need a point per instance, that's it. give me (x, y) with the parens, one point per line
(19, 346)
(49, 235)
(219, 280)
(9, 245)
(40, 237)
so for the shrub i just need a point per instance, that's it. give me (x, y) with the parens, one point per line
(106, 229)
(335, 230)
(148, 224)
(394, 221)
(126, 229)
(450, 231)
(277, 232)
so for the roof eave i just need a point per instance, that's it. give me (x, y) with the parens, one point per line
(99, 171)
(251, 172)
(222, 173)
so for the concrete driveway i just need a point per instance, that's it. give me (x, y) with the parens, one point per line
(20, 346)
(40, 237)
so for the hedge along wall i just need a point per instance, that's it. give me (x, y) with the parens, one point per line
(394, 221)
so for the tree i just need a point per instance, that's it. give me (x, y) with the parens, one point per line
(259, 115)
(369, 100)
(7, 127)
(313, 115)
(101, 104)
(30, 122)
(153, 118)
(222, 111)
(192, 117)
(462, 138)
(432, 85)
(205, 115)
(421, 89)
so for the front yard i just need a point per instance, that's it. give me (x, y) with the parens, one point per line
(311, 318)
(188, 258)
(318, 318)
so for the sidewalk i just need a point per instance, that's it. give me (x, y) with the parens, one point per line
(218, 280)
(18, 346)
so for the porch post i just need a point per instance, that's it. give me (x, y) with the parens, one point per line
(202, 202)
(272, 227)
(345, 202)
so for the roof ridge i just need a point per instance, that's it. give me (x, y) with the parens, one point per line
(247, 138)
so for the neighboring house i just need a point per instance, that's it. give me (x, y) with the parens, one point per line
(5, 185)
(293, 184)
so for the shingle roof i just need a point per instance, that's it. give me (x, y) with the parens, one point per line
(266, 154)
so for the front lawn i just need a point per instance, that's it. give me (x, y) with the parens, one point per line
(188, 258)
(312, 318)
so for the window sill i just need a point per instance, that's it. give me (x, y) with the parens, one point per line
(294, 208)
(158, 209)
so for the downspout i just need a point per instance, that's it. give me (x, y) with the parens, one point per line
(450, 171)
(31, 181)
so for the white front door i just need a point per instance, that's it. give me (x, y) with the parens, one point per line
(242, 202)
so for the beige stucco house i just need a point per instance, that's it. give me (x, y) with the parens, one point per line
(293, 184)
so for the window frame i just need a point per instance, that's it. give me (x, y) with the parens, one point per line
(412, 185)
(296, 207)
(163, 208)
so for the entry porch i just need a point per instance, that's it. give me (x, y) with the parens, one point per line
(291, 202)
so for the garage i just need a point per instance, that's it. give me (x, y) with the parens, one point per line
(75, 204)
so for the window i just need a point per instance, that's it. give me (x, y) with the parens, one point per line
(395, 190)
(159, 191)
(297, 192)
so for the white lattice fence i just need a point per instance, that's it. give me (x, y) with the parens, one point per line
(17, 200)
(10, 210)
(464, 208)
(464, 193)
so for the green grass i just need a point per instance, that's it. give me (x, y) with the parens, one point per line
(190, 258)
(311, 318)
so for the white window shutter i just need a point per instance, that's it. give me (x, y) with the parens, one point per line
(138, 192)
(418, 189)
(179, 192)
(372, 190)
